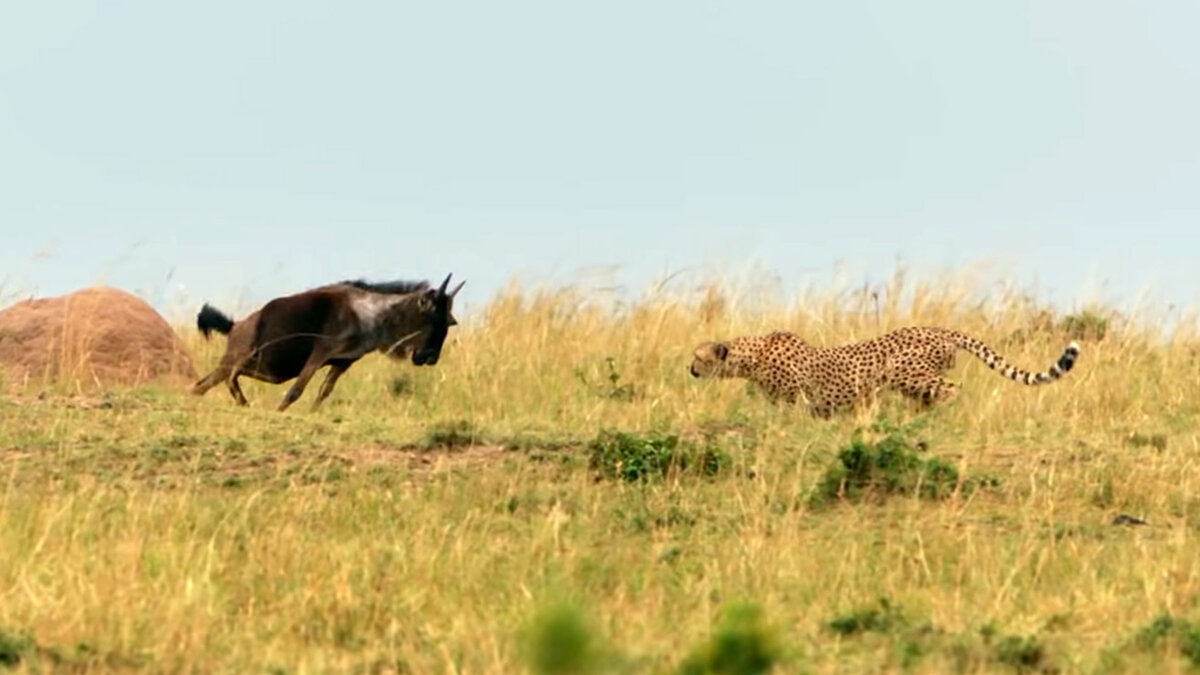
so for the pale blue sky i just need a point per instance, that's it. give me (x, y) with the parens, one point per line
(232, 151)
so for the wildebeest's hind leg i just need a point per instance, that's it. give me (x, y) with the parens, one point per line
(237, 370)
(235, 389)
(316, 359)
(209, 381)
(336, 368)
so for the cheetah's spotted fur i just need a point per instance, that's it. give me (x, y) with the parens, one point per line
(911, 361)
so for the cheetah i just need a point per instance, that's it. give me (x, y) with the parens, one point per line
(910, 360)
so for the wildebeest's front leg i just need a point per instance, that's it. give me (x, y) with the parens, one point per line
(336, 368)
(316, 359)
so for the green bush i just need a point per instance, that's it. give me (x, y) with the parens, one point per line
(891, 465)
(741, 644)
(631, 457)
(558, 640)
(1165, 629)
(13, 648)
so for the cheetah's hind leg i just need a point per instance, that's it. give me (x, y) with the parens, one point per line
(820, 410)
(932, 392)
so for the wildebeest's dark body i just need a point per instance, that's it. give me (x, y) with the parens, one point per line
(335, 325)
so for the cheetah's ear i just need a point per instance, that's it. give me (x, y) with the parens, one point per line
(722, 350)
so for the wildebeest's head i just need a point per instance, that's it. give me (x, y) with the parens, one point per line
(436, 309)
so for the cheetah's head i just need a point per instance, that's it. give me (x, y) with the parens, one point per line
(711, 359)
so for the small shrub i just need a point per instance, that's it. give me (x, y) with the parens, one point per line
(1156, 441)
(559, 641)
(879, 618)
(181, 441)
(910, 641)
(1156, 632)
(1105, 495)
(1165, 629)
(617, 454)
(400, 386)
(451, 435)
(642, 517)
(1021, 652)
(1087, 325)
(13, 648)
(741, 644)
(889, 466)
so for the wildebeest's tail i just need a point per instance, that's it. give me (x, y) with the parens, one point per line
(993, 360)
(211, 318)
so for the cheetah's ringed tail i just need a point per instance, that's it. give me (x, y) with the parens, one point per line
(994, 361)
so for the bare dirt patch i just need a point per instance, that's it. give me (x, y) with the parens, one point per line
(431, 461)
(323, 467)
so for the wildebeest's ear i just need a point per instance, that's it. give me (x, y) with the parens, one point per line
(427, 300)
(721, 350)
(451, 321)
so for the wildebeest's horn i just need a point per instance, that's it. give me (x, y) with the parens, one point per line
(457, 288)
(446, 282)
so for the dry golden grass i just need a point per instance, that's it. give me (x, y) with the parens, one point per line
(151, 530)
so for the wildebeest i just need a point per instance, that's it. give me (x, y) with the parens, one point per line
(334, 325)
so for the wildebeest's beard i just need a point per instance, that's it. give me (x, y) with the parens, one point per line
(431, 350)
(440, 320)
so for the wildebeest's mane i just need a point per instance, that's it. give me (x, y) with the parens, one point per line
(388, 287)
